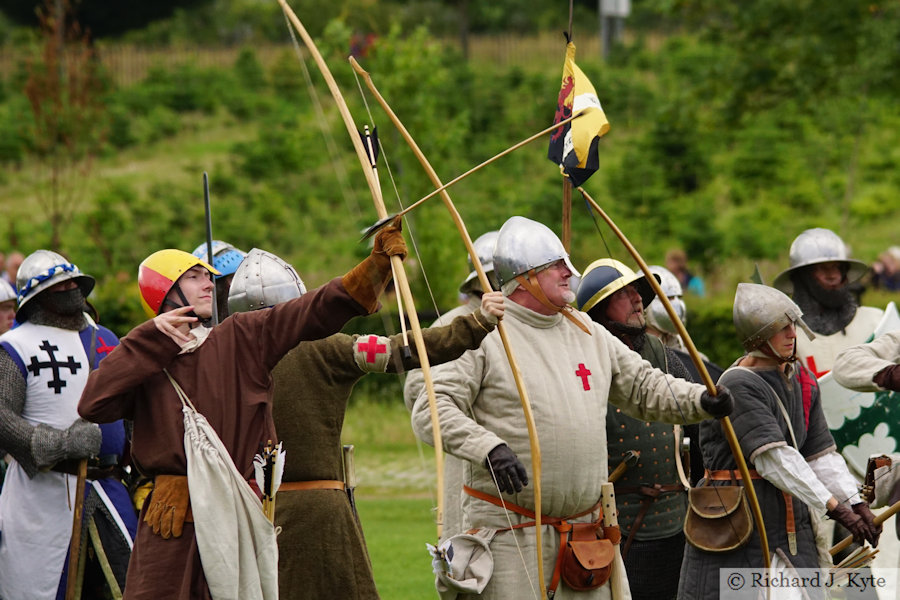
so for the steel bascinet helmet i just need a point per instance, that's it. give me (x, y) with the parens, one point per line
(484, 249)
(656, 314)
(43, 269)
(602, 278)
(815, 246)
(761, 311)
(158, 273)
(523, 245)
(263, 280)
(226, 257)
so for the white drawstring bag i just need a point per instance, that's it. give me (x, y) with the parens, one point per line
(236, 541)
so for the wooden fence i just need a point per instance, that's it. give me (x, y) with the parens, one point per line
(128, 64)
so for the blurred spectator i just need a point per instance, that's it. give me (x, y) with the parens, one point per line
(886, 270)
(13, 262)
(676, 262)
(361, 43)
(7, 306)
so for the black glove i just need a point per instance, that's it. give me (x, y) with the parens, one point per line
(888, 378)
(862, 509)
(719, 405)
(509, 474)
(853, 523)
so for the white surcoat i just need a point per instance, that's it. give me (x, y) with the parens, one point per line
(818, 355)
(33, 547)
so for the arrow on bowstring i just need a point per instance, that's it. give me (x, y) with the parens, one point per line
(485, 283)
(442, 187)
(371, 145)
(400, 275)
(727, 428)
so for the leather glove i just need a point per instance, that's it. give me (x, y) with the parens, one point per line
(888, 378)
(719, 405)
(389, 241)
(509, 474)
(169, 504)
(366, 281)
(853, 523)
(82, 439)
(862, 509)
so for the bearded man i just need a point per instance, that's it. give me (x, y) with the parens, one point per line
(650, 495)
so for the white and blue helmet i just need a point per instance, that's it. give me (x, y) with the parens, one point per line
(43, 269)
(226, 257)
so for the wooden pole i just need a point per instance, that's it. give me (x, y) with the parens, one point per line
(567, 214)
(75, 542)
(618, 587)
(879, 519)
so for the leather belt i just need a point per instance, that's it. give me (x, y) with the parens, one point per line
(561, 524)
(790, 523)
(100, 468)
(729, 475)
(650, 493)
(321, 484)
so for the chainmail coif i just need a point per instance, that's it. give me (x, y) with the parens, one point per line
(825, 311)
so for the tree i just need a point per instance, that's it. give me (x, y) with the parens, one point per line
(100, 18)
(64, 92)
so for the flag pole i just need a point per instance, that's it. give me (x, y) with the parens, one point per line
(567, 183)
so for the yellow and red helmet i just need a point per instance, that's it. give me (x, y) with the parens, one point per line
(158, 274)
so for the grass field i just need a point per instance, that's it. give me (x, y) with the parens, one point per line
(396, 531)
(395, 497)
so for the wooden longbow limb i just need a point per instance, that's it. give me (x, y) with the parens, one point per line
(399, 274)
(704, 374)
(482, 277)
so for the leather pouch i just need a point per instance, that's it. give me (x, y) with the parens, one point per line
(587, 559)
(718, 518)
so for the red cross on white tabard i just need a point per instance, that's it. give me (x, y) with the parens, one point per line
(583, 372)
(372, 348)
(811, 363)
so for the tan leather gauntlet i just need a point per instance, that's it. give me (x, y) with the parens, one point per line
(169, 506)
(366, 281)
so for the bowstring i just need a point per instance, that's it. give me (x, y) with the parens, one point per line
(590, 212)
(348, 192)
(512, 531)
(409, 224)
(419, 443)
(420, 450)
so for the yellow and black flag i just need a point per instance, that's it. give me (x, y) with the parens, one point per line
(574, 146)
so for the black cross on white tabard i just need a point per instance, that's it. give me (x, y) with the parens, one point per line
(56, 383)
